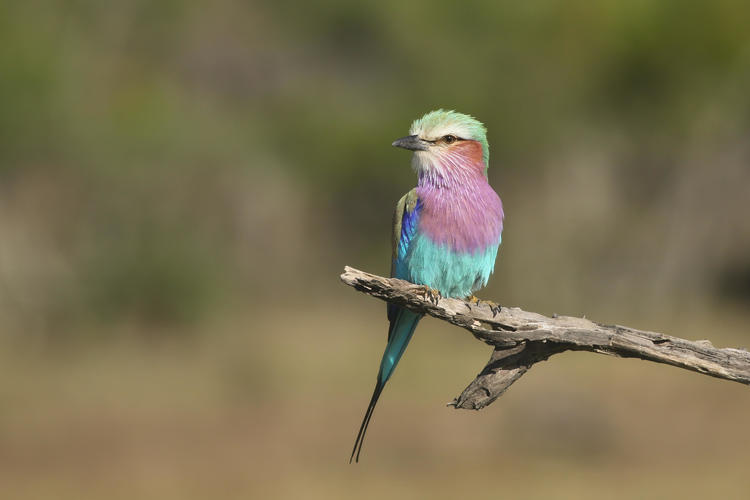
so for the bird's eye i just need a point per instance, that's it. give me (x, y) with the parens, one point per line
(449, 139)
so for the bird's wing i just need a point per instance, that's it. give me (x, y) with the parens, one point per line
(405, 221)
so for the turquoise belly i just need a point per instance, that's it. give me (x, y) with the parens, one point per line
(454, 274)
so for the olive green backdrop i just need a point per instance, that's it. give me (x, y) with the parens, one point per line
(181, 184)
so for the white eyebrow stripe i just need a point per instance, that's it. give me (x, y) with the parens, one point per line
(433, 134)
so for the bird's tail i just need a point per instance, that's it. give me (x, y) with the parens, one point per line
(401, 330)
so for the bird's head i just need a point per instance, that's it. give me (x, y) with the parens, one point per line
(447, 141)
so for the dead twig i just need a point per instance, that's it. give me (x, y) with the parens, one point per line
(521, 339)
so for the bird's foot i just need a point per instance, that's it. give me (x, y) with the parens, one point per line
(430, 294)
(494, 307)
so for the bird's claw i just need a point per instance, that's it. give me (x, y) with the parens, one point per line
(431, 294)
(495, 308)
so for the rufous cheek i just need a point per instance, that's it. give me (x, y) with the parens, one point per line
(471, 150)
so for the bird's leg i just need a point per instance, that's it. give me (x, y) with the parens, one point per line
(430, 294)
(494, 307)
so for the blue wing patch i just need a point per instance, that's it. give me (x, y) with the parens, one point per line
(409, 223)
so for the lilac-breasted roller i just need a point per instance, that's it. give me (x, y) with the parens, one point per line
(446, 231)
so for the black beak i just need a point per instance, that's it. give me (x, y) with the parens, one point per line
(412, 143)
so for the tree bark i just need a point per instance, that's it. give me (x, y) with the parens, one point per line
(521, 338)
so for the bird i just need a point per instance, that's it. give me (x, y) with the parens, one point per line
(446, 230)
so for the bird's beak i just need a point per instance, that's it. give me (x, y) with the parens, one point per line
(412, 143)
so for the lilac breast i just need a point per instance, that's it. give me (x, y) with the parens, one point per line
(465, 217)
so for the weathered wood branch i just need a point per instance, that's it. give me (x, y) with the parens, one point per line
(521, 338)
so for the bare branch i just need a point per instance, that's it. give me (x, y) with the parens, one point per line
(522, 338)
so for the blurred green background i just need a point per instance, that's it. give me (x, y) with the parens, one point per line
(181, 185)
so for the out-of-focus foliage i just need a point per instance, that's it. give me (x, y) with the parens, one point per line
(197, 141)
(178, 171)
